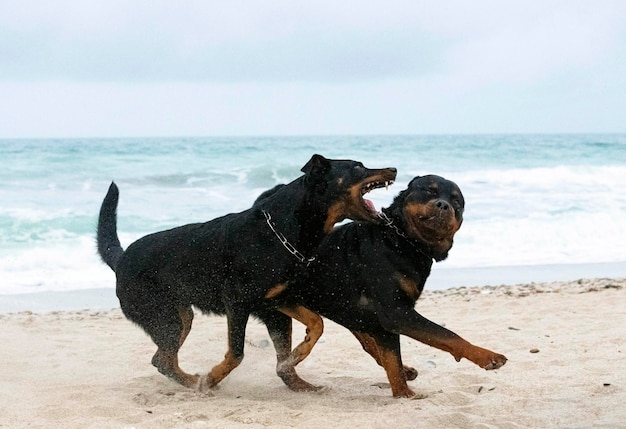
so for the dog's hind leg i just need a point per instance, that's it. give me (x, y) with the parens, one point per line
(279, 327)
(370, 346)
(186, 316)
(169, 338)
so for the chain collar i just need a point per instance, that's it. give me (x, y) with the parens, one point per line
(303, 259)
(389, 223)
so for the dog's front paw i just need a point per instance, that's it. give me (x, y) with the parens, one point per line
(493, 361)
(484, 358)
(206, 384)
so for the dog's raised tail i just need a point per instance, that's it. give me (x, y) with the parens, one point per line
(109, 246)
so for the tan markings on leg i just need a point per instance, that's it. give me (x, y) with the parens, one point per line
(460, 348)
(395, 373)
(186, 317)
(220, 371)
(287, 373)
(167, 364)
(442, 339)
(314, 329)
(166, 361)
(276, 290)
(369, 345)
(286, 367)
(484, 358)
(408, 286)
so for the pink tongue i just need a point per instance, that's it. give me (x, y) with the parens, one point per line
(370, 205)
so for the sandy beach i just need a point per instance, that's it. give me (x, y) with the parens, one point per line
(565, 342)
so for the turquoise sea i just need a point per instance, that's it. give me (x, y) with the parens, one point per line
(533, 201)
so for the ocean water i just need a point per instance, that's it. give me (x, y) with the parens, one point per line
(531, 200)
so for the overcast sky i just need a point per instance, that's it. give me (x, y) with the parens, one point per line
(200, 68)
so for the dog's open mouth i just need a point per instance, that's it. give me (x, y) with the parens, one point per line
(370, 186)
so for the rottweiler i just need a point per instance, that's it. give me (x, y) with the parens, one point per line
(231, 265)
(368, 277)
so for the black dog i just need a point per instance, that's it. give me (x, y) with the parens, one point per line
(367, 277)
(233, 264)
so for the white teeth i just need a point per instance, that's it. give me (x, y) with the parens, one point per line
(368, 187)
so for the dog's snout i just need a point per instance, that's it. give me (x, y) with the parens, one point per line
(442, 205)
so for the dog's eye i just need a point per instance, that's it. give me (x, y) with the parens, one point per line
(432, 192)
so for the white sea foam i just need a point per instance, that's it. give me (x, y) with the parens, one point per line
(560, 201)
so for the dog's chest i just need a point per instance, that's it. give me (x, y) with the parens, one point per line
(411, 287)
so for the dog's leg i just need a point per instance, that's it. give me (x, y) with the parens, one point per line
(169, 339)
(427, 332)
(279, 328)
(395, 373)
(369, 345)
(166, 361)
(314, 329)
(186, 316)
(388, 350)
(237, 321)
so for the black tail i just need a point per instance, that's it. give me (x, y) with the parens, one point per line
(109, 246)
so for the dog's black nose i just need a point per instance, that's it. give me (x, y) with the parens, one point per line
(443, 205)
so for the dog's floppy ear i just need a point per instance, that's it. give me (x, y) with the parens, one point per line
(316, 167)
